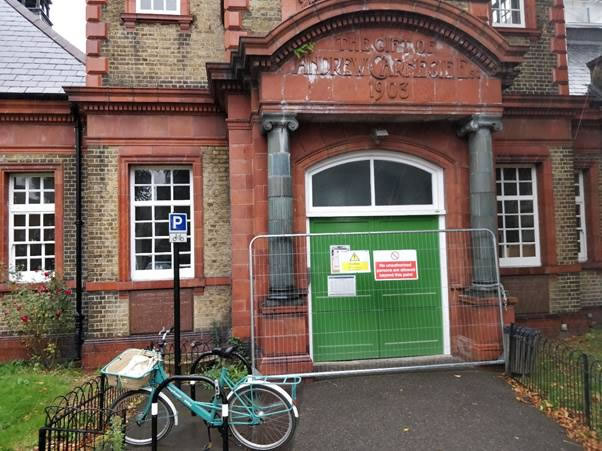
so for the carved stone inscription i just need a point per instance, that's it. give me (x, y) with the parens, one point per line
(391, 61)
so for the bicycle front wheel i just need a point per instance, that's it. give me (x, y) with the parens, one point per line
(138, 429)
(260, 417)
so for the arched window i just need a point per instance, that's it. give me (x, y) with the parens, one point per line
(378, 183)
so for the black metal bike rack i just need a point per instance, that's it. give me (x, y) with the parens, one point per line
(223, 428)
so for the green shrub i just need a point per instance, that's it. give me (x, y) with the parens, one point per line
(39, 312)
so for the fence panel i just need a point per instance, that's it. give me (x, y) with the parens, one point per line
(331, 302)
(563, 376)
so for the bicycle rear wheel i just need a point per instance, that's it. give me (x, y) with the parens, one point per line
(260, 417)
(138, 431)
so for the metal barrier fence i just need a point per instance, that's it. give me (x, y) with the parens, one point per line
(565, 377)
(330, 303)
(80, 419)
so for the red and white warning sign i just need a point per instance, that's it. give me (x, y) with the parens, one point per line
(396, 265)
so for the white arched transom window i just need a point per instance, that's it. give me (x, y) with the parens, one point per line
(375, 183)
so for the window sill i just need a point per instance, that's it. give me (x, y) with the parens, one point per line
(131, 19)
(539, 270)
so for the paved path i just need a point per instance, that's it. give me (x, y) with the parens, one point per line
(438, 410)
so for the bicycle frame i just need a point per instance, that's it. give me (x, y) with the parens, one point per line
(211, 412)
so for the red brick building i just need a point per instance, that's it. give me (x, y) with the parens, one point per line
(229, 112)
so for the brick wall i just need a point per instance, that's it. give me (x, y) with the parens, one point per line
(536, 73)
(262, 16)
(565, 293)
(563, 180)
(107, 315)
(100, 211)
(161, 55)
(213, 306)
(216, 212)
(591, 288)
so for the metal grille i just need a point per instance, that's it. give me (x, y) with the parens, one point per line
(342, 303)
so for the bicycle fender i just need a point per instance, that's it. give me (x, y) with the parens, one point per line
(279, 389)
(171, 405)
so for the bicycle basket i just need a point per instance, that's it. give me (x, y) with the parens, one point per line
(132, 369)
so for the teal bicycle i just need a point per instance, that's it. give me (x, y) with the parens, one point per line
(260, 414)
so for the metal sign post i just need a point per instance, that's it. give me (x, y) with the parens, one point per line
(178, 231)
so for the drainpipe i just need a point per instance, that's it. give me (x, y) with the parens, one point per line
(79, 319)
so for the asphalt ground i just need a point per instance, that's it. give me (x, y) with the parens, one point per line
(464, 410)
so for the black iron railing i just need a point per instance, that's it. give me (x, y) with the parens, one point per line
(562, 376)
(81, 419)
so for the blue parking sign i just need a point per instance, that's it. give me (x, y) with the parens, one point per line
(178, 222)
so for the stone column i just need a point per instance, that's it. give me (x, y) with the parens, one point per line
(483, 204)
(280, 207)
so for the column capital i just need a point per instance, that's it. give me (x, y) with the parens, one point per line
(478, 121)
(279, 120)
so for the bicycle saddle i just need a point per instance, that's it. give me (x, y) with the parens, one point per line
(224, 352)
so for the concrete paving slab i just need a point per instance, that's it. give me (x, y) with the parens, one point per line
(438, 410)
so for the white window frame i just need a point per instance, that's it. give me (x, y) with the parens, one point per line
(159, 274)
(509, 25)
(580, 204)
(518, 262)
(27, 209)
(435, 208)
(140, 10)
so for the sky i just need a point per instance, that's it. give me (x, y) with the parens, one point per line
(69, 20)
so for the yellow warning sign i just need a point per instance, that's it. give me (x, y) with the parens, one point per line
(354, 261)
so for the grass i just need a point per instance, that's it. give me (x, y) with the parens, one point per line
(24, 393)
(590, 343)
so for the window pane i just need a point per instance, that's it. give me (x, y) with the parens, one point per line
(49, 264)
(142, 176)
(529, 250)
(144, 229)
(19, 220)
(526, 189)
(21, 250)
(181, 176)
(162, 213)
(20, 181)
(528, 236)
(34, 220)
(142, 193)
(48, 220)
(144, 262)
(144, 213)
(524, 173)
(48, 234)
(343, 185)
(49, 249)
(509, 174)
(163, 262)
(144, 246)
(511, 221)
(34, 197)
(161, 229)
(35, 264)
(19, 235)
(511, 207)
(181, 192)
(35, 250)
(48, 197)
(162, 246)
(512, 236)
(163, 193)
(19, 198)
(21, 264)
(34, 183)
(158, 4)
(171, 5)
(49, 183)
(185, 260)
(526, 206)
(526, 221)
(145, 4)
(34, 235)
(509, 189)
(161, 177)
(182, 209)
(401, 184)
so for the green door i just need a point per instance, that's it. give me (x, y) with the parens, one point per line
(385, 318)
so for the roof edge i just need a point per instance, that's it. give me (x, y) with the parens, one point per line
(48, 31)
